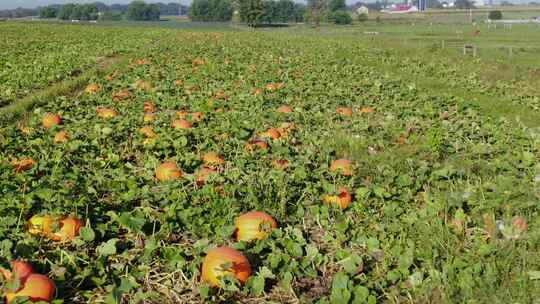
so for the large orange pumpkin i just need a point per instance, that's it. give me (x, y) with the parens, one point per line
(36, 287)
(69, 228)
(49, 120)
(222, 261)
(168, 171)
(250, 226)
(20, 270)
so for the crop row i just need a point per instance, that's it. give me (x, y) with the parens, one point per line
(34, 56)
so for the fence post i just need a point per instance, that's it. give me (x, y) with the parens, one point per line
(443, 46)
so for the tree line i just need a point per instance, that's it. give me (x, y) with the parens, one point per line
(136, 10)
(251, 12)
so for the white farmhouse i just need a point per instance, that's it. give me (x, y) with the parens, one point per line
(362, 10)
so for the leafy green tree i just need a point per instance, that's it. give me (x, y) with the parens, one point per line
(340, 17)
(140, 11)
(254, 12)
(337, 5)
(152, 12)
(495, 15)
(200, 10)
(66, 11)
(87, 12)
(78, 12)
(211, 10)
(285, 10)
(299, 12)
(269, 12)
(111, 16)
(48, 12)
(337, 12)
(251, 11)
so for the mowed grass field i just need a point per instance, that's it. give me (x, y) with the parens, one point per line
(434, 197)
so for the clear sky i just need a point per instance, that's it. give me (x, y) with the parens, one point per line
(10, 4)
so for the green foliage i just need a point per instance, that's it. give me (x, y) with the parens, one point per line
(111, 16)
(337, 5)
(78, 12)
(211, 10)
(140, 11)
(270, 11)
(58, 55)
(251, 11)
(65, 11)
(495, 15)
(48, 12)
(436, 183)
(339, 17)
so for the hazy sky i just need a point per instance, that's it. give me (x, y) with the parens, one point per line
(9, 4)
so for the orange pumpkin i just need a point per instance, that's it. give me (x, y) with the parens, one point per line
(213, 159)
(256, 143)
(250, 226)
(149, 107)
(197, 116)
(285, 109)
(181, 124)
(342, 199)
(20, 270)
(203, 174)
(345, 111)
(121, 95)
(69, 228)
(23, 164)
(341, 165)
(91, 89)
(280, 164)
(41, 225)
(271, 133)
(149, 117)
(168, 171)
(147, 131)
(36, 287)
(182, 114)
(367, 110)
(223, 261)
(49, 120)
(64, 229)
(104, 112)
(61, 137)
(520, 223)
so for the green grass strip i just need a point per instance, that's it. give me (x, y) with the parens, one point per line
(17, 109)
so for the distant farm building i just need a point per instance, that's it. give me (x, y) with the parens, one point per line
(362, 10)
(401, 9)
